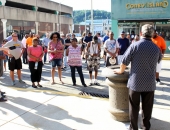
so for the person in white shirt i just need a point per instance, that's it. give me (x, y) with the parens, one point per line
(14, 49)
(111, 47)
(24, 57)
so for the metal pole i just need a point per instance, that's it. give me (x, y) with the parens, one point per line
(92, 17)
(60, 17)
(85, 21)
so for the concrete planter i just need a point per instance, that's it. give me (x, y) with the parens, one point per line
(118, 93)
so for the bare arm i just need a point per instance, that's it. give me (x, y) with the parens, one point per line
(67, 51)
(49, 50)
(23, 49)
(121, 70)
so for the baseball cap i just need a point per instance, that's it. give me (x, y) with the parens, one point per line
(147, 29)
(123, 32)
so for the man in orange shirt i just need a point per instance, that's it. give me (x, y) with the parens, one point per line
(29, 40)
(160, 42)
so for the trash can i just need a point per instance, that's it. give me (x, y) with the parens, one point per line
(118, 93)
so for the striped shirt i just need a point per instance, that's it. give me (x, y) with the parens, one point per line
(144, 56)
(74, 56)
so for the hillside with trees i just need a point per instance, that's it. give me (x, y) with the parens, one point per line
(79, 15)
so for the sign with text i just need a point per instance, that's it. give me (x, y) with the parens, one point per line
(140, 9)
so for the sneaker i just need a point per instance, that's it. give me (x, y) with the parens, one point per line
(21, 81)
(91, 84)
(2, 93)
(159, 83)
(3, 99)
(84, 85)
(97, 84)
(13, 83)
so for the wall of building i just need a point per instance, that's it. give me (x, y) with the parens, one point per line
(1, 32)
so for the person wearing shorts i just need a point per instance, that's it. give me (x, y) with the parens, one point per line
(160, 42)
(15, 50)
(93, 61)
(55, 50)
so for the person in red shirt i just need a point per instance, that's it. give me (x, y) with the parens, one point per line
(35, 54)
(160, 42)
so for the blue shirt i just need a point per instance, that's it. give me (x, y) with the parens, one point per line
(123, 44)
(9, 38)
(88, 39)
(46, 41)
(144, 56)
(105, 38)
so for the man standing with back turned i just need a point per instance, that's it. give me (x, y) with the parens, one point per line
(141, 81)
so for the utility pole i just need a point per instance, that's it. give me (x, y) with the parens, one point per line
(92, 17)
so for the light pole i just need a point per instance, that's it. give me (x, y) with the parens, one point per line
(85, 21)
(60, 17)
(92, 17)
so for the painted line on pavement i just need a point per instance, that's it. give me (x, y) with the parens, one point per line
(56, 92)
(75, 95)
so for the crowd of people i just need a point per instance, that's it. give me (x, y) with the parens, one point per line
(144, 52)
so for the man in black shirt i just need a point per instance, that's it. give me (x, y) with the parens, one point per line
(87, 39)
(67, 44)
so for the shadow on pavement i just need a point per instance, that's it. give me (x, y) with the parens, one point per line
(40, 115)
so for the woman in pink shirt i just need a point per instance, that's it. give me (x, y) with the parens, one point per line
(55, 50)
(74, 61)
(35, 54)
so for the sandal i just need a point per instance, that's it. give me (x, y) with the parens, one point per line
(53, 83)
(61, 82)
(34, 86)
(39, 86)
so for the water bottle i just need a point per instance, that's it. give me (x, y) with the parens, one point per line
(36, 65)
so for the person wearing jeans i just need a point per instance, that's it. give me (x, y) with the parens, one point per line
(55, 50)
(67, 44)
(74, 61)
(35, 54)
(45, 42)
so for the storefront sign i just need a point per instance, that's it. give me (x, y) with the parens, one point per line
(140, 10)
(163, 4)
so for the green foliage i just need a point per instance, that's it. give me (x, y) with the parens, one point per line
(79, 15)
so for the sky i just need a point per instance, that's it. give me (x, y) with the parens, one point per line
(86, 4)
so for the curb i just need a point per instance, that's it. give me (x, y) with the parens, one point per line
(166, 58)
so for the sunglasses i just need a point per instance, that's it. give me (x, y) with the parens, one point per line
(54, 37)
(14, 36)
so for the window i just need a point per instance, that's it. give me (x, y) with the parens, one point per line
(164, 30)
(105, 28)
(110, 28)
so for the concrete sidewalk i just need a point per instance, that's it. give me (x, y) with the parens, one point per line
(51, 110)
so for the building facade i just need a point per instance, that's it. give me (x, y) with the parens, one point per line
(99, 25)
(131, 15)
(37, 16)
